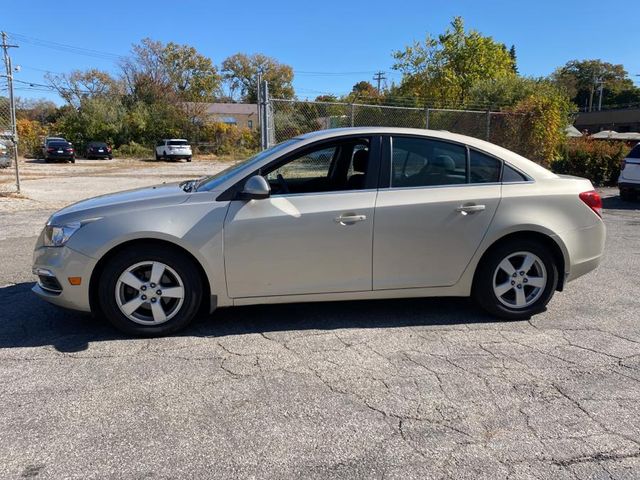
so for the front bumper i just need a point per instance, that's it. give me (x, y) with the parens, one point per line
(60, 263)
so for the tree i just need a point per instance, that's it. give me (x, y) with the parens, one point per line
(155, 70)
(43, 111)
(363, 90)
(241, 72)
(443, 69)
(581, 78)
(514, 59)
(75, 86)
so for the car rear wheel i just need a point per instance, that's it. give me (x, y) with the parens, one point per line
(516, 280)
(150, 291)
(188, 159)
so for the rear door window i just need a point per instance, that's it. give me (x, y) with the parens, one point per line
(483, 168)
(423, 162)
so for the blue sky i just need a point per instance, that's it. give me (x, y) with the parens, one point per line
(344, 41)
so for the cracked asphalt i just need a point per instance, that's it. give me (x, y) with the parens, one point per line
(398, 389)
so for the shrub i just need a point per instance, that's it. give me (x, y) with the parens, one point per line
(222, 139)
(597, 160)
(133, 150)
(30, 134)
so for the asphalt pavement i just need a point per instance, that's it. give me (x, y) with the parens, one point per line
(428, 388)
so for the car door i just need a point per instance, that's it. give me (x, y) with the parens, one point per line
(438, 202)
(314, 233)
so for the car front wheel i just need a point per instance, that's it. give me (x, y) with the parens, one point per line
(150, 291)
(516, 280)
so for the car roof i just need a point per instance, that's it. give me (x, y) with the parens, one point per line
(518, 161)
(175, 140)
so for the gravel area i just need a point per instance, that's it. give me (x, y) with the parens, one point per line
(400, 389)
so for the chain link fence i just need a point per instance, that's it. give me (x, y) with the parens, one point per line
(7, 175)
(289, 118)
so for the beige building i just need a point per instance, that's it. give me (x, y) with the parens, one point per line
(243, 115)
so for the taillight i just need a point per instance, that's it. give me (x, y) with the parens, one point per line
(623, 164)
(50, 149)
(593, 201)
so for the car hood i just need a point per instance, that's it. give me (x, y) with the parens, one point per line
(113, 203)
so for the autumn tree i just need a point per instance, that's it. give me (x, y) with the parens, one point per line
(241, 72)
(444, 68)
(77, 85)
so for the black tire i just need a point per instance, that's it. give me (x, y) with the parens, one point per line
(157, 157)
(164, 156)
(483, 285)
(188, 159)
(73, 160)
(181, 264)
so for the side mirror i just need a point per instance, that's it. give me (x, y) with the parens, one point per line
(255, 188)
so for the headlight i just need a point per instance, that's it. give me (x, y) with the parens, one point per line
(57, 236)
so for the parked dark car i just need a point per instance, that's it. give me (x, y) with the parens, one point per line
(59, 151)
(98, 150)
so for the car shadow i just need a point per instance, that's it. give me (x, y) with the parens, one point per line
(32, 322)
(616, 203)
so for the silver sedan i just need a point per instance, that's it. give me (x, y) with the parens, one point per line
(360, 213)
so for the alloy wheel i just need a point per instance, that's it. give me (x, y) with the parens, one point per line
(149, 293)
(519, 280)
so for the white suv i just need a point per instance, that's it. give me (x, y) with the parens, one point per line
(629, 179)
(173, 148)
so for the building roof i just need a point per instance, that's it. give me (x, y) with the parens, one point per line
(613, 135)
(572, 131)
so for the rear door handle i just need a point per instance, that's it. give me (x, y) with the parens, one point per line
(467, 209)
(350, 218)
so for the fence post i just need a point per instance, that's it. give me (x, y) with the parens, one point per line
(488, 125)
(352, 114)
(426, 118)
(263, 110)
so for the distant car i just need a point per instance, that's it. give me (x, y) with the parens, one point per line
(47, 141)
(98, 150)
(629, 179)
(173, 149)
(454, 216)
(59, 151)
(5, 159)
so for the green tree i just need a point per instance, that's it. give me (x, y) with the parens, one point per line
(514, 59)
(241, 72)
(581, 79)
(444, 68)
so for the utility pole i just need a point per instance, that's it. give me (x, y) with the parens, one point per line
(600, 89)
(12, 105)
(378, 77)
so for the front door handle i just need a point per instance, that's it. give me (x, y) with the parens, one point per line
(349, 218)
(470, 208)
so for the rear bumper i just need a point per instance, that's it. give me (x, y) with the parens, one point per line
(60, 157)
(629, 186)
(585, 248)
(177, 156)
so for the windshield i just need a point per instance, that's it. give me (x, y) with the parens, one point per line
(209, 183)
(178, 142)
